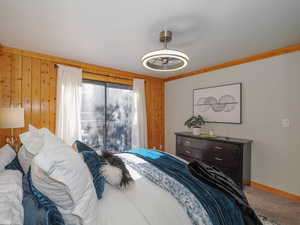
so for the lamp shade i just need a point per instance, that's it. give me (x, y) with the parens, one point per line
(11, 117)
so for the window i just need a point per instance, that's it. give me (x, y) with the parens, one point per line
(106, 115)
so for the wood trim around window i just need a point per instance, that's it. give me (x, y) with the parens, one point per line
(248, 59)
(89, 76)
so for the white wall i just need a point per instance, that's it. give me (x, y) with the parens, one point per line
(271, 92)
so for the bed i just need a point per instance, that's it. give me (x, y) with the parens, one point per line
(60, 187)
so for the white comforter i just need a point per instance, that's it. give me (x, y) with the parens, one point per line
(11, 195)
(143, 204)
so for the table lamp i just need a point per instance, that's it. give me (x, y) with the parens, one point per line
(11, 118)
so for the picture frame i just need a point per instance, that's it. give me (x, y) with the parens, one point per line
(219, 104)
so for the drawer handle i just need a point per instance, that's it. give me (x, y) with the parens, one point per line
(187, 142)
(218, 147)
(188, 152)
(219, 159)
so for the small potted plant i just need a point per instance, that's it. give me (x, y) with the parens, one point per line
(195, 122)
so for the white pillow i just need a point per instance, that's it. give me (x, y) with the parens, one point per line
(11, 195)
(61, 174)
(25, 158)
(7, 154)
(33, 140)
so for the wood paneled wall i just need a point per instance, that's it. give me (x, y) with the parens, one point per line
(29, 79)
(155, 111)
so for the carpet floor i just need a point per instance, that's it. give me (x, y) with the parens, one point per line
(282, 210)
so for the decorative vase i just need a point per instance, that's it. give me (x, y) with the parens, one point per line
(196, 131)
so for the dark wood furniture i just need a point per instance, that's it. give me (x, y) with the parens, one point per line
(231, 155)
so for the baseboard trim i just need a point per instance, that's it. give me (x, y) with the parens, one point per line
(275, 191)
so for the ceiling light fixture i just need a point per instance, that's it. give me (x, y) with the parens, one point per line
(165, 59)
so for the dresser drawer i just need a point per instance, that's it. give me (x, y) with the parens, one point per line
(233, 149)
(191, 152)
(225, 155)
(192, 143)
(217, 153)
(187, 158)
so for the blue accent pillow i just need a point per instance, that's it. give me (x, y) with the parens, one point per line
(33, 213)
(38, 208)
(81, 147)
(94, 163)
(15, 165)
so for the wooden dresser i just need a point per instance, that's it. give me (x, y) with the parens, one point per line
(231, 155)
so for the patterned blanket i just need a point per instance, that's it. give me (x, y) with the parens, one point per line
(204, 204)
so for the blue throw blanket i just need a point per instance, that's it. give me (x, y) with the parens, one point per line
(222, 209)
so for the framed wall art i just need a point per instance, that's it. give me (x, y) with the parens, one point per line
(219, 104)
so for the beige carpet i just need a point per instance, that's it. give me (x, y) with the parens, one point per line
(282, 210)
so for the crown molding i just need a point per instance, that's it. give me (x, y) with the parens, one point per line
(248, 59)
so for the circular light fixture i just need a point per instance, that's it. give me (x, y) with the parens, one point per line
(165, 59)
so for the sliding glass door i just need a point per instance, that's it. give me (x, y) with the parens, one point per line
(118, 117)
(93, 114)
(106, 115)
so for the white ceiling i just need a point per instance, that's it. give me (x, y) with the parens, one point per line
(117, 33)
